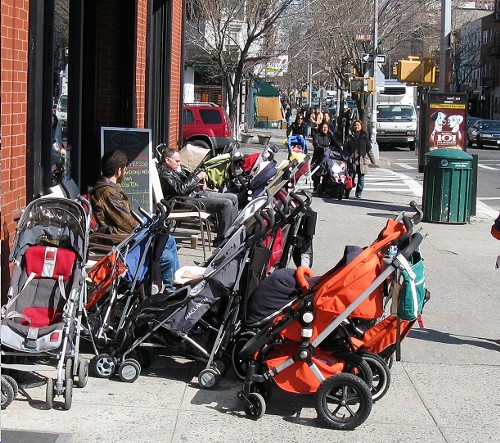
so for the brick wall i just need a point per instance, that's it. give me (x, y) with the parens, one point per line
(140, 69)
(14, 74)
(176, 71)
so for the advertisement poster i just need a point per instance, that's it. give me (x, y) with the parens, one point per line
(447, 122)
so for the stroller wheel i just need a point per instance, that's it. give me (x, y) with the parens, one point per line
(49, 393)
(255, 407)
(240, 364)
(209, 378)
(129, 370)
(83, 373)
(356, 365)
(7, 393)
(68, 368)
(13, 383)
(381, 375)
(103, 365)
(343, 401)
(68, 394)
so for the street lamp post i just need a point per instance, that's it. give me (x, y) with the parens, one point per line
(374, 73)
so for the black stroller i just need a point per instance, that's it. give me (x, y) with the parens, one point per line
(334, 175)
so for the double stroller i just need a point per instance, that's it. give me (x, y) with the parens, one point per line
(41, 320)
(333, 174)
(328, 335)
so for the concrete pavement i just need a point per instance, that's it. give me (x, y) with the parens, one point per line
(445, 389)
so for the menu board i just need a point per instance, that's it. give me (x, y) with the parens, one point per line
(137, 144)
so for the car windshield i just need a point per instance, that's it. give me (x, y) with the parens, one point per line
(395, 112)
(491, 125)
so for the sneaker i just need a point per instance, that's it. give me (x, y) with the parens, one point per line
(358, 196)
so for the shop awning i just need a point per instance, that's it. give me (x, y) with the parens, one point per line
(269, 109)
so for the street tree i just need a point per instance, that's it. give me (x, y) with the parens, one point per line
(232, 36)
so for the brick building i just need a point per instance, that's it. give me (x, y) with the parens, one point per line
(120, 64)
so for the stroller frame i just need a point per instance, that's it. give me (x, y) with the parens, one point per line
(302, 311)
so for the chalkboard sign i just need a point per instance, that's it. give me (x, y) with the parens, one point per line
(137, 144)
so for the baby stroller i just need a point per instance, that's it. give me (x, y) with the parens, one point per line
(42, 317)
(295, 349)
(296, 144)
(333, 175)
(127, 274)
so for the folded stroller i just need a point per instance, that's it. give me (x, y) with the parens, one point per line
(127, 274)
(297, 347)
(42, 317)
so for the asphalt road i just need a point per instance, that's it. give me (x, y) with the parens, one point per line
(488, 189)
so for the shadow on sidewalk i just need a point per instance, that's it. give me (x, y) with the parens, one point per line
(451, 339)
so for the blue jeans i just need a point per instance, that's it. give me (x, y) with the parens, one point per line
(169, 262)
(360, 184)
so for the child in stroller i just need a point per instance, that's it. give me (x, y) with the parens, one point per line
(334, 174)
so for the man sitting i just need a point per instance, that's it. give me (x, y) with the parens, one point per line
(175, 182)
(112, 209)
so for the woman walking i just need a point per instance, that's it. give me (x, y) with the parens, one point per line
(360, 152)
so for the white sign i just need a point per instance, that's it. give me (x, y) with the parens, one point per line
(368, 58)
(272, 67)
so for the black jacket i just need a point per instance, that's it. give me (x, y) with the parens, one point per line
(296, 129)
(175, 183)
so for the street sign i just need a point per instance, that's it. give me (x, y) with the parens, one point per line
(368, 58)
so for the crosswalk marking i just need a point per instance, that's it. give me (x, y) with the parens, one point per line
(406, 166)
(487, 167)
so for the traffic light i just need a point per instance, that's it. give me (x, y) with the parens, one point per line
(408, 71)
(420, 71)
(357, 84)
(370, 84)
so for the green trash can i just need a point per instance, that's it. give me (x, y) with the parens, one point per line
(447, 186)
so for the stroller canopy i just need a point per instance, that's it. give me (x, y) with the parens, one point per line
(52, 221)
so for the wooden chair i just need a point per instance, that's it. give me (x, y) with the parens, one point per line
(185, 209)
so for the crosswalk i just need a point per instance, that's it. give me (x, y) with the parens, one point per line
(381, 180)
(494, 166)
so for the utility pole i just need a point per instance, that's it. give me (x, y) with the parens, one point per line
(374, 73)
(444, 61)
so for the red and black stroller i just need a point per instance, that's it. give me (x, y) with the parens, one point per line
(41, 320)
(300, 348)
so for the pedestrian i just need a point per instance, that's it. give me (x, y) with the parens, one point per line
(322, 140)
(315, 119)
(307, 118)
(298, 127)
(112, 210)
(175, 182)
(346, 121)
(360, 153)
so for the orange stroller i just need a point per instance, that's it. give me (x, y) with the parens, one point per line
(304, 349)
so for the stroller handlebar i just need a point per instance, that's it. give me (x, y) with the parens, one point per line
(414, 244)
(417, 218)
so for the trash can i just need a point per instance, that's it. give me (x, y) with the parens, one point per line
(447, 186)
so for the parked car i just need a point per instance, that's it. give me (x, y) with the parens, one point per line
(488, 133)
(62, 110)
(206, 125)
(474, 130)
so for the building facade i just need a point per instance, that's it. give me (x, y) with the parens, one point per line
(119, 63)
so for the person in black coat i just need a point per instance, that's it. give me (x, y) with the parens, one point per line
(360, 152)
(323, 139)
(298, 127)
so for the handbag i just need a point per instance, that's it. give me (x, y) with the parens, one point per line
(412, 292)
(349, 183)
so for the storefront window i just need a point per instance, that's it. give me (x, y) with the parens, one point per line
(60, 149)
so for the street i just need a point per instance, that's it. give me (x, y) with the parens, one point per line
(488, 189)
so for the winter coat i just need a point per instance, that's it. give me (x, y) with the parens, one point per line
(316, 119)
(360, 151)
(322, 141)
(112, 207)
(175, 183)
(296, 129)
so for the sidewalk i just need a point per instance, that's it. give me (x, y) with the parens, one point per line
(445, 389)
